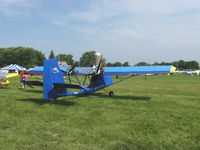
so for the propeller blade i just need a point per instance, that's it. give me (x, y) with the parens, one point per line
(98, 67)
(71, 69)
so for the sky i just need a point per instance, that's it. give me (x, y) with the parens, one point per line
(122, 30)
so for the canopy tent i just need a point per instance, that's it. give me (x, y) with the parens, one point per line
(36, 70)
(13, 67)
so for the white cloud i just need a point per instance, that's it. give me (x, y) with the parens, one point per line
(114, 24)
(11, 1)
(93, 15)
(158, 7)
(128, 17)
(17, 9)
(60, 23)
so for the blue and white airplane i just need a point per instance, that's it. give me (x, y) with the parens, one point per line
(99, 78)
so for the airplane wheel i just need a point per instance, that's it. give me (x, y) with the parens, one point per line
(111, 93)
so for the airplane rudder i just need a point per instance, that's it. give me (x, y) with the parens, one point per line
(48, 81)
(52, 74)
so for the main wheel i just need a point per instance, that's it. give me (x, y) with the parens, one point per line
(111, 93)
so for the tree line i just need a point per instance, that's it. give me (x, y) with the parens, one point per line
(24, 56)
(29, 57)
(180, 65)
(88, 59)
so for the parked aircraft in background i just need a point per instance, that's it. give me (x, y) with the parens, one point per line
(3, 77)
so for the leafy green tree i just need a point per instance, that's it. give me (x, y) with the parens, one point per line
(165, 63)
(126, 63)
(2, 51)
(103, 61)
(192, 65)
(117, 64)
(68, 58)
(87, 59)
(109, 64)
(51, 56)
(181, 65)
(186, 65)
(24, 56)
(39, 58)
(155, 63)
(76, 63)
(143, 63)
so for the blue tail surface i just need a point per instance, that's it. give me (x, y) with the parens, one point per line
(51, 76)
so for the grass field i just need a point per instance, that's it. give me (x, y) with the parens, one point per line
(168, 117)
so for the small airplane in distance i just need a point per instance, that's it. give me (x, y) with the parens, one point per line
(94, 78)
(3, 77)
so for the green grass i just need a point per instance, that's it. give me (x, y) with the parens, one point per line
(168, 117)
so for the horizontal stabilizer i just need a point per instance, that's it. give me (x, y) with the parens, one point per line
(27, 83)
(35, 83)
(64, 85)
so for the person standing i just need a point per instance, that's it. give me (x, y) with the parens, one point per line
(23, 78)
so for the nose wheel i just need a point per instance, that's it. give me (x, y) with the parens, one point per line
(111, 93)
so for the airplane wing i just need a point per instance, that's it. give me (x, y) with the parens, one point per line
(7, 75)
(139, 70)
(10, 75)
(2, 74)
(37, 70)
(77, 70)
(114, 70)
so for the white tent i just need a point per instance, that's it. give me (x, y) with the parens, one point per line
(13, 67)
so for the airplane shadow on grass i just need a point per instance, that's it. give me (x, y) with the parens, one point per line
(69, 103)
(140, 98)
(99, 95)
(117, 97)
(4, 87)
(30, 90)
(45, 101)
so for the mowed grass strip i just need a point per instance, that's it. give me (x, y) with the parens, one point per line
(164, 114)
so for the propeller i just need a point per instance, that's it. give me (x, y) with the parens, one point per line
(98, 67)
(68, 72)
(71, 69)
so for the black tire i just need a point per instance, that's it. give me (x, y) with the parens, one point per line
(111, 93)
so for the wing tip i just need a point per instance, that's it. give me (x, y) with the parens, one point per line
(172, 69)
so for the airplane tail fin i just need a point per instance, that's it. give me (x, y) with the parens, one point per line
(52, 76)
